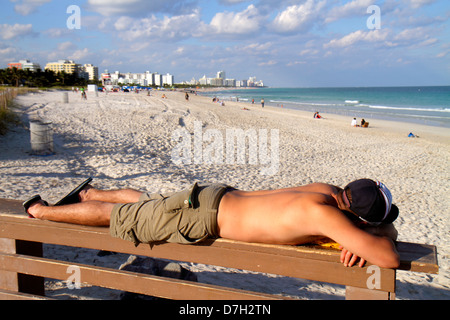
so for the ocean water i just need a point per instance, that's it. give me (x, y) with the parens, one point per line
(423, 105)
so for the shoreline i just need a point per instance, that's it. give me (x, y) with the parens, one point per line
(363, 113)
(394, 125)
(125, 140)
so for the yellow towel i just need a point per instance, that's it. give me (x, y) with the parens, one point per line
(327, 243)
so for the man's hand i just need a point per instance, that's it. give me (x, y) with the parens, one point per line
(349, 259)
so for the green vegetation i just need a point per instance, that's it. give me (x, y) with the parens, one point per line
(17, 77)
(7, 115)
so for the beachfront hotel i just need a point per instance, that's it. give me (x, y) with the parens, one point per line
(68, 66)
(24, 65)
(86, 71)
(142, 79)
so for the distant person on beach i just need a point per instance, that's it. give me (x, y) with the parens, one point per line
(317, 115)
(186, 96)
(354, 123)
(359, 217)
(363, 122)
(262, 103)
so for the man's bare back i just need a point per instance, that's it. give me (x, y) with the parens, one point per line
(284, 216)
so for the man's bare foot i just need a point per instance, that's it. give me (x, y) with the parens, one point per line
(85, 193)
(74, 195)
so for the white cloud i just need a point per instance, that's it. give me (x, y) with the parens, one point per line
(80, 54)
(411, 38)
(66, 46)
(442, 54)
(308, 52)
(167, 28)
(355, 7)
(419, 3)
(139, 7)
(267, 63)
(8, 32)
(25, 7)
(57, 32)
(298, 17)
(257, 47)
(8, 52)
(243, 22)
(233, 1)
(359, 36)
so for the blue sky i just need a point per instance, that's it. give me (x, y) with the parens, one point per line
(286, 43)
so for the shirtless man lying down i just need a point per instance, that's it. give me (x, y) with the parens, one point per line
(358, 217)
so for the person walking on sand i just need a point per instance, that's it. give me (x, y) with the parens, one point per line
(359, 217)
(262, 103)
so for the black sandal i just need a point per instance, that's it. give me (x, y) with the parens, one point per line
(72, 197)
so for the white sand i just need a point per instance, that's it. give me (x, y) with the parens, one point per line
(125, 140)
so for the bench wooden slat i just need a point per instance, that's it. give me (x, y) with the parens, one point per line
(12, 295)
(127, 281)
(418, 257)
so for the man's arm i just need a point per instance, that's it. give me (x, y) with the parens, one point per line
(378, 250)
(383, 230)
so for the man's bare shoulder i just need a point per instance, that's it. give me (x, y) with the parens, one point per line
(319, 187)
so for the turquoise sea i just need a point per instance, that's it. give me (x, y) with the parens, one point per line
(424, 105)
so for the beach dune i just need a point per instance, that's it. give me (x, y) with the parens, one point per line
(131, 140)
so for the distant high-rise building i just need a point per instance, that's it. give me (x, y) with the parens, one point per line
(221, 75)
(218, 82)
(168, 79)
(230, 82)
(158, 79)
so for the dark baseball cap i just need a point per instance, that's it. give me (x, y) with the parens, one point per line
(372, 201)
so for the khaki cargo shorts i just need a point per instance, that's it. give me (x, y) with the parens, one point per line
(183, 217)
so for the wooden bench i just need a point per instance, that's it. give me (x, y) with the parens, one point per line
(22, 267)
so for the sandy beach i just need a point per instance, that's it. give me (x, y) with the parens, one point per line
(127, 140)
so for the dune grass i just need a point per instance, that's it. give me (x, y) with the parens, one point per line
(8, 117)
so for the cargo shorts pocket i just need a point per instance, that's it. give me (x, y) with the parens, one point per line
(181, 200)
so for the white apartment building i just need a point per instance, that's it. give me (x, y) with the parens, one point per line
(221, 75)
(142, 79)
(168, 79)
(229, 82)
(204, 80)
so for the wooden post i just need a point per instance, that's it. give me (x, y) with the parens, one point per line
(385, 280)
(18, 282)
(353, 293)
